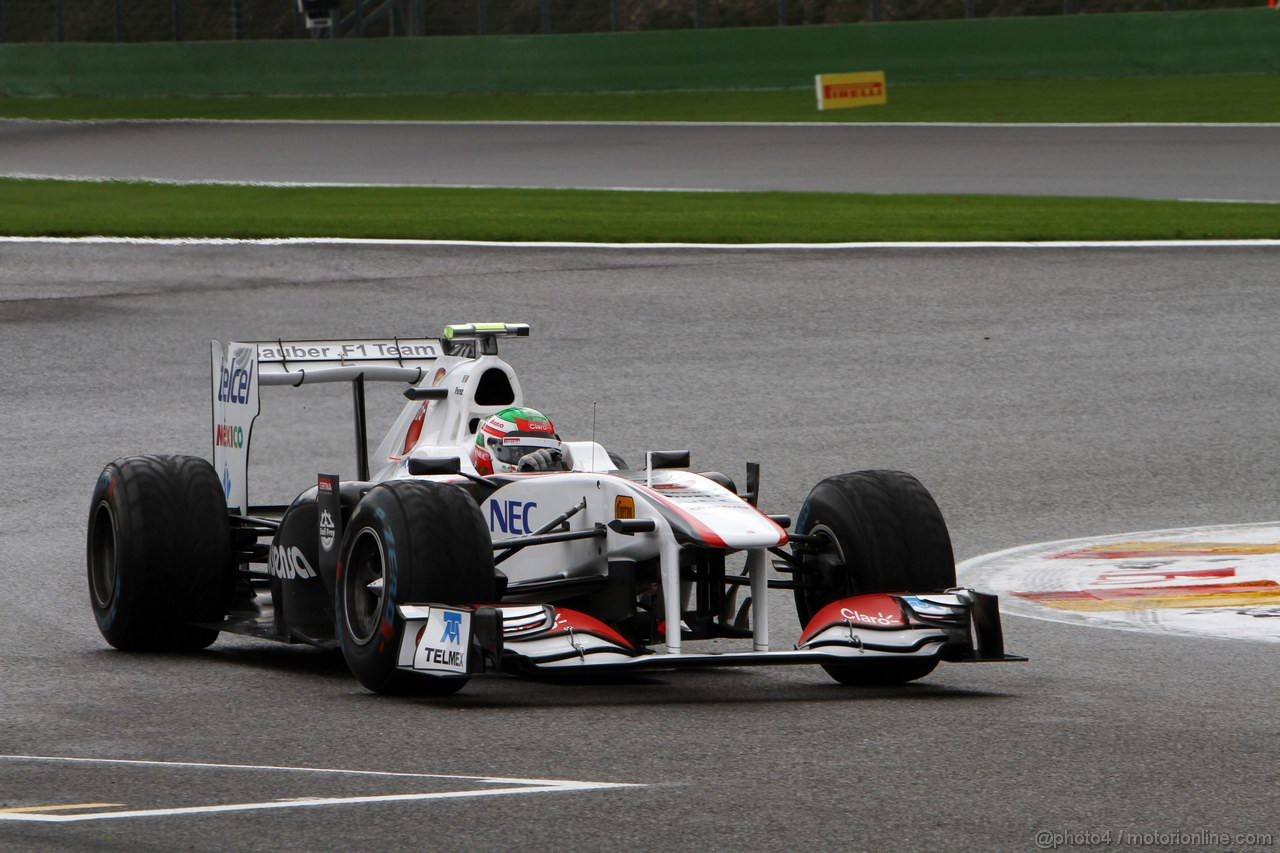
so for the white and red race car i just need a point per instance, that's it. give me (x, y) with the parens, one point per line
(426, 572)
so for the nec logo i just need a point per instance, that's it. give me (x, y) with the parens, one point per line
(510, 516)
(234, 384)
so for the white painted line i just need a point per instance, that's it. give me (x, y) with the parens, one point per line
(267, 767)
(562, 244)
(1219, 581)
(365, 185)
(1228, 200)
(177, 182)
(513, 786)
(308, 803)
(583, 123)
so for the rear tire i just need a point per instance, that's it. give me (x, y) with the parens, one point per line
(427, 543)
(159, 553)
(885, 534)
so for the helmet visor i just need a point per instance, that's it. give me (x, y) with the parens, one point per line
(511, 449)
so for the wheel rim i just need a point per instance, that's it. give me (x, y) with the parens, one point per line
(102, 557)
(830, 569)
(365, 585)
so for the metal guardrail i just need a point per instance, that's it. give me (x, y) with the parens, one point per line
(235, 20)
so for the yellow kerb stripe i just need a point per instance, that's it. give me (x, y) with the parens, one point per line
(1173, 549)
(64, 807)
(1158, 602)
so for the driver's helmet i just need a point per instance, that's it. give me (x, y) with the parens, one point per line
(511, 434)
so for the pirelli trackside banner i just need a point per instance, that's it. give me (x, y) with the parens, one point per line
(859, 89)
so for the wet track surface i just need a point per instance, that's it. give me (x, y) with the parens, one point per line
(1041, 394)
(1202, 162)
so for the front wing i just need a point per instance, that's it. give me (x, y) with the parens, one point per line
(443, 641)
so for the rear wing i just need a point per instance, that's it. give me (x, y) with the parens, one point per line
(239, 369)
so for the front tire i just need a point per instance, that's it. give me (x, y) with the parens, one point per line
(408, 541)
(159, 553)
(883, 532)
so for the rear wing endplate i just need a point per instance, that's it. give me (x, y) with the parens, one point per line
(240, 369)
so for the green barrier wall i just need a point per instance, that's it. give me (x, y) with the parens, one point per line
(1231, 41)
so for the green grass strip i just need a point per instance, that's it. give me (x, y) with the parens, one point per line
(1211, 98)
(127, 209)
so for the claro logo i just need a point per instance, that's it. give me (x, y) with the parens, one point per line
(289, 563)
(879, 619)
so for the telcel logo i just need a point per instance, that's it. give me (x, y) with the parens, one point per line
(234, 383)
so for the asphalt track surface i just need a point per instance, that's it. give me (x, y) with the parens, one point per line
(1041, 394)
(1193, 162)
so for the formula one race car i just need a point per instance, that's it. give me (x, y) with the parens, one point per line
(435, 567)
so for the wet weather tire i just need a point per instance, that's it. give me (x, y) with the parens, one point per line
(884, 533)
(159, 553)
(407, 542)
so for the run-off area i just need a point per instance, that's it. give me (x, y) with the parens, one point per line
(60, 789)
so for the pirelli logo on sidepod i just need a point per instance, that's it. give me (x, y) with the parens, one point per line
(859, 89)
